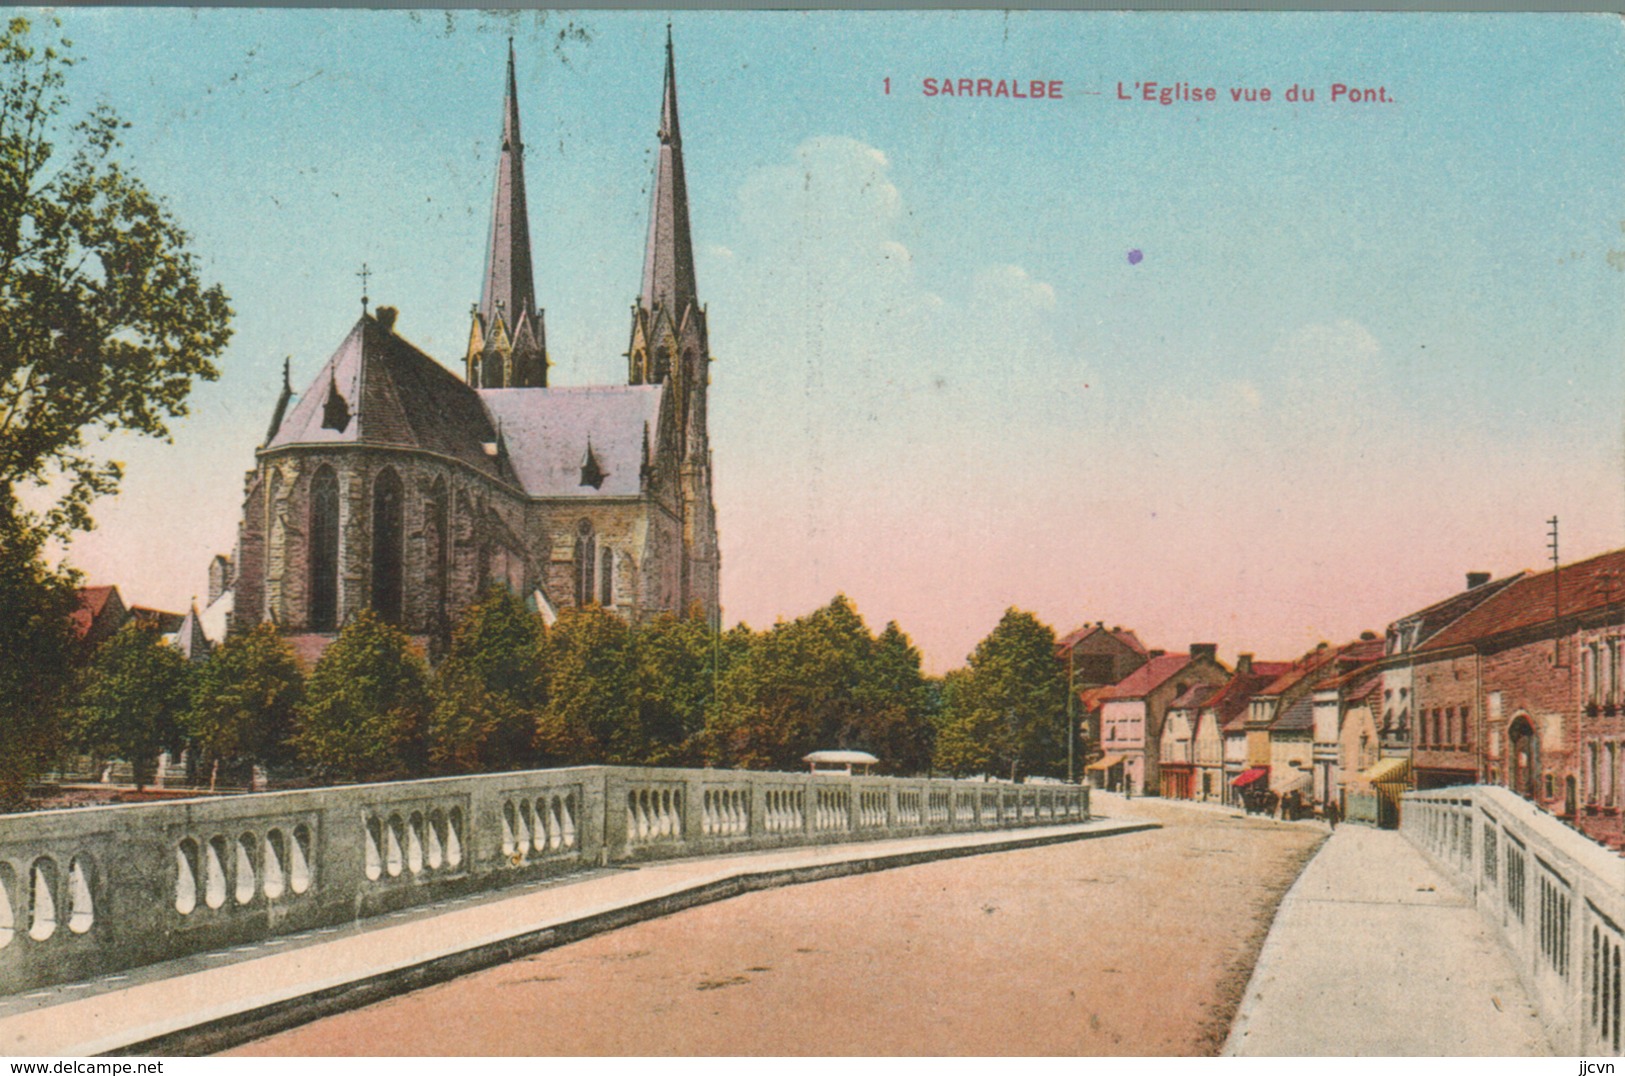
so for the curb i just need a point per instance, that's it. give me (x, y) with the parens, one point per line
(225, 1032)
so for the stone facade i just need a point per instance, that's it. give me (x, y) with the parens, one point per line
(393, 484)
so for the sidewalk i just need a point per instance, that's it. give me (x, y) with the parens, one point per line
(208, 1002)
(1373, 952)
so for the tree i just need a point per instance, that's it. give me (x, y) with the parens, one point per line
(104, 322)
(895, 724)
(246, 700)
(591, 712)
(37, 648)
(133, 698)
(678, 664)
(490, 690)
(367, 705)
(822, 681)
(1008, 709)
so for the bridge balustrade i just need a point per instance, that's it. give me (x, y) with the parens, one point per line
(1555, 899)
(98, 890)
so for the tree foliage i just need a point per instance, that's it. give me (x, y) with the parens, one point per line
(133, 699)
(1006, 711)
(104, 321)
(490, 690)
(367, 706)
(677, 668)
(822, 681)
(37, 648)
(245, 704)
(591, 712)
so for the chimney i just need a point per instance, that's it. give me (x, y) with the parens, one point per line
(1477, 579)
(1244, 664)
(1154, 654)
(386, 318)
(1210, 651)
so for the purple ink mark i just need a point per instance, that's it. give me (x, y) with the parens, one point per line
(1134, 257)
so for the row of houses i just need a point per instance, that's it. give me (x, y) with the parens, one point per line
(1518, 681)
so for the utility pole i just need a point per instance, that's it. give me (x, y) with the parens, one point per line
(1071, 714)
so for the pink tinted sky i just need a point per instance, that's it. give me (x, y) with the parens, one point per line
(1363, 352)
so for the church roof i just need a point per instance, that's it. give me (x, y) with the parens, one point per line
(377, 389)
(549, 433)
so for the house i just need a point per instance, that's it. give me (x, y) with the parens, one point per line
(1275, 713)
(1224, 720)
(1524, 691)
(1132, 711)
(1335, 703)
(1097, 656)
(101, 613)
(1178, 747)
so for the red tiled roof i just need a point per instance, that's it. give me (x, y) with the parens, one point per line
(1360, 652)
(1533, 600)
(1195, 695)
(92, 600)
(1147, 678)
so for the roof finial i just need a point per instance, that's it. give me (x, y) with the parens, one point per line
(365, 275)
(287, 383)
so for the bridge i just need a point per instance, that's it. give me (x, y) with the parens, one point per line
(1486, 927)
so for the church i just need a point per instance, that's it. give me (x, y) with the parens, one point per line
(395, 485)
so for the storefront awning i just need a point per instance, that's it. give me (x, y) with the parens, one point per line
(1294, 782)
(1249, 776)
(1388, 769)
(1106, 763)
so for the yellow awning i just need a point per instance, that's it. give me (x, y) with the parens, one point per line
(1388, 769)
(1106, 763)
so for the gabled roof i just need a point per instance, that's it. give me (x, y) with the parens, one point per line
(1147, 678)
(377, 389)
(1299, 717)
(92, 600)
(1533, 599)
(548, 433)
(1193, 696)
(1441, 614)
(1231, 702)
(164, 623)
(1321, 661)
(1122, 635)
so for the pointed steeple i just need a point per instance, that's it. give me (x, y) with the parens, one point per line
(508, 293)
(281, 402)
(668, 261)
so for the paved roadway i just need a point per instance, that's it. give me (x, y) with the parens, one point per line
(1136, 944)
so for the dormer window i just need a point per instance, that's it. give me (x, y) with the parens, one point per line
(336, 411)
(592, 473)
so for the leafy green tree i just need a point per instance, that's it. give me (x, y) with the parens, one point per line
(133, 698)
(367, 706)
(822, 681)
(245, 704)
(490, 690)
(896, 706)
(104, 322)
(678, 666)
(37, 649)
(1007, 711)
(591, 714)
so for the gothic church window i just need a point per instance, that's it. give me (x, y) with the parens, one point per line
(586, 557)
(324, 551)
(606, 586)
(387, 546)
(438, 547)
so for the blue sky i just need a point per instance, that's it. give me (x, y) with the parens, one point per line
(1367, 348)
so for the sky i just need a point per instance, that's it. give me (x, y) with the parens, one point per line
(1254, 373)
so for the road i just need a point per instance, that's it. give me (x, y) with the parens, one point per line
(1133, 945)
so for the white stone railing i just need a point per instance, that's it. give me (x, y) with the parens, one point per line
(96, 890)
(1555, 898)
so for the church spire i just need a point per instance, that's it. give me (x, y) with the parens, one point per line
(668, 262)
(507, 312)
